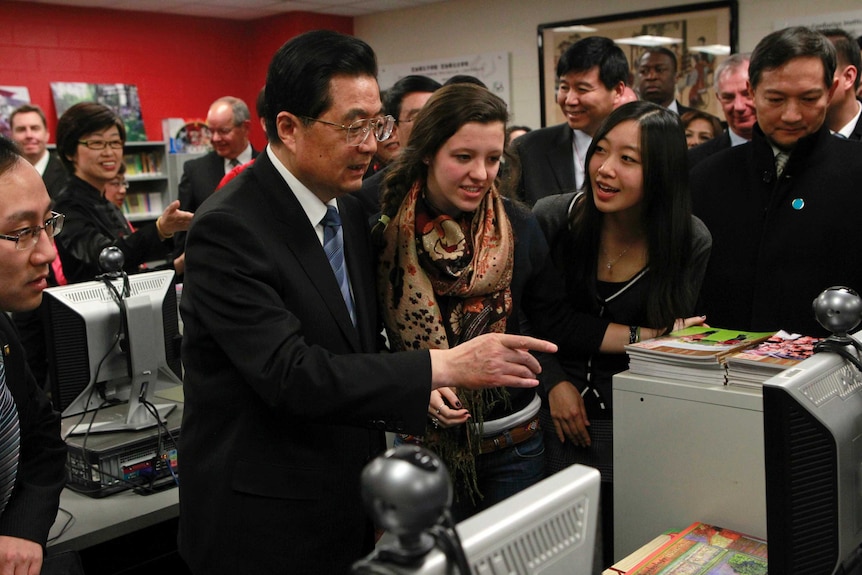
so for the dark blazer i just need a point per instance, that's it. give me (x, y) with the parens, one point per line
(857, 131)
(546, 162)
(41, 465)
(708, 148)
(369, 194)
(778, 242)
(55, 176)
(285, 401)
(200, 178)
(683, 109)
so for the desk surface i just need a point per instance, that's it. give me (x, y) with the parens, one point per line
(99, 520)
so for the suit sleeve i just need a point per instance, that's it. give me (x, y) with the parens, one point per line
(41, 466)
(244, 298)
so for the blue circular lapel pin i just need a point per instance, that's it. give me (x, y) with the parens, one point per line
(798, 204)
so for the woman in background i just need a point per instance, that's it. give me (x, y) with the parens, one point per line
(90, 139)
(699, 127)
(633, 258)
(456, 259)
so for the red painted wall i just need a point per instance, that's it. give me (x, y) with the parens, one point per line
(180, 64)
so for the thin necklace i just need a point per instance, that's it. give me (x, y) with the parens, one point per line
(610, 263)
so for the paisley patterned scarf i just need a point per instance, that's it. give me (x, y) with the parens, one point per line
(443, 281)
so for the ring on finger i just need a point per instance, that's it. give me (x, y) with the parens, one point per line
(442, 405)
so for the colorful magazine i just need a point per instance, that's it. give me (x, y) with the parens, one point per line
(696, 344)
(703, 549)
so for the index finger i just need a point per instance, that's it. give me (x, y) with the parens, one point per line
(528, 343)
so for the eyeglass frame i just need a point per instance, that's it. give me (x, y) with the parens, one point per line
(55, 222)
(121, 184)
(353, 126)
(105, 144)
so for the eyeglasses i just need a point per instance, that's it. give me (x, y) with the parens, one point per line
(358, 131)
(222, 131)
(121, 184)
(29, 237)
(729, 98)
(101, 144)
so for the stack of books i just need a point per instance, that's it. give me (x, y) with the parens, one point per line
(754, 365)
(700, 549)
(695, 354)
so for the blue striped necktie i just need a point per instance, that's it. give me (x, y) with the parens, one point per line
(333, 245)
(10, 439)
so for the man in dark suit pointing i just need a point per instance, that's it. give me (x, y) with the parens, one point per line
(287, 396)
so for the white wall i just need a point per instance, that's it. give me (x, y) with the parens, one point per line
(463, 27)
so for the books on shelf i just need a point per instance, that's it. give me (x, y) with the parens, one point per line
(754, 365)
(143, 163)
(703, 549)
(143, 203)
(695, 354)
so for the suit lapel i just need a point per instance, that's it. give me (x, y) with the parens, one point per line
(561, 159)
(300, 239)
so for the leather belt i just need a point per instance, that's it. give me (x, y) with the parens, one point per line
(510, 437)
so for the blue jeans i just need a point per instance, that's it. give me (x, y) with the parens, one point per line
(502, 474)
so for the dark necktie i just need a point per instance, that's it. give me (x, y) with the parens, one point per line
(234, 163)
(781, 161)
(333, 245)
(10, 439)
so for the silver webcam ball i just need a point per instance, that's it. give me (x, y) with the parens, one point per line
(839, 310)
(111, 259)
(407, 490)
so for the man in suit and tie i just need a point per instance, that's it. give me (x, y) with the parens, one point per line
(229, 121)
(287, 394)
(784, 208)
(844, 116)
(734, 95)
(29, 427)
(591, 75)
(655, 80)
(30, 132)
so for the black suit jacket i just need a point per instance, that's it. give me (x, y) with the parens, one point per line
(55, 176)
(546, 162)
(200, 178)
(708, 148)
(857, 131)
(41, 466)
(778, 242)
(285, 401)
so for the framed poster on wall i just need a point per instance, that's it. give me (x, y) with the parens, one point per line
(700, 35)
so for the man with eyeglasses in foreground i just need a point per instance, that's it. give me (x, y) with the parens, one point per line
(286, 394)
(36, 474)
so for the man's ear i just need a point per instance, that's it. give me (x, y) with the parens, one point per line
(288, 126)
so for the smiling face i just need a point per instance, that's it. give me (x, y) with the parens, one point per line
(31, 135)
(98, 167)
(318, 154)
(616, 171)
(227, 139)
(24, 202)
(736, 101)
(585, 100)
(791, 101)
(463, 169)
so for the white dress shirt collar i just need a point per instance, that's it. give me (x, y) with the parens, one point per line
(42, 163)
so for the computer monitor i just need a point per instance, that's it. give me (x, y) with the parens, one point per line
(104, 350)
(547, 529)
(812, 417)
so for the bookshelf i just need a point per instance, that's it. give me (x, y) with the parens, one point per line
(150, 189)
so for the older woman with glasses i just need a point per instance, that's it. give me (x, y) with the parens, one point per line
(90, 139)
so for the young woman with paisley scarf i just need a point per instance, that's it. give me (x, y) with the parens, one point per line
(456, 259)
(633, 258)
